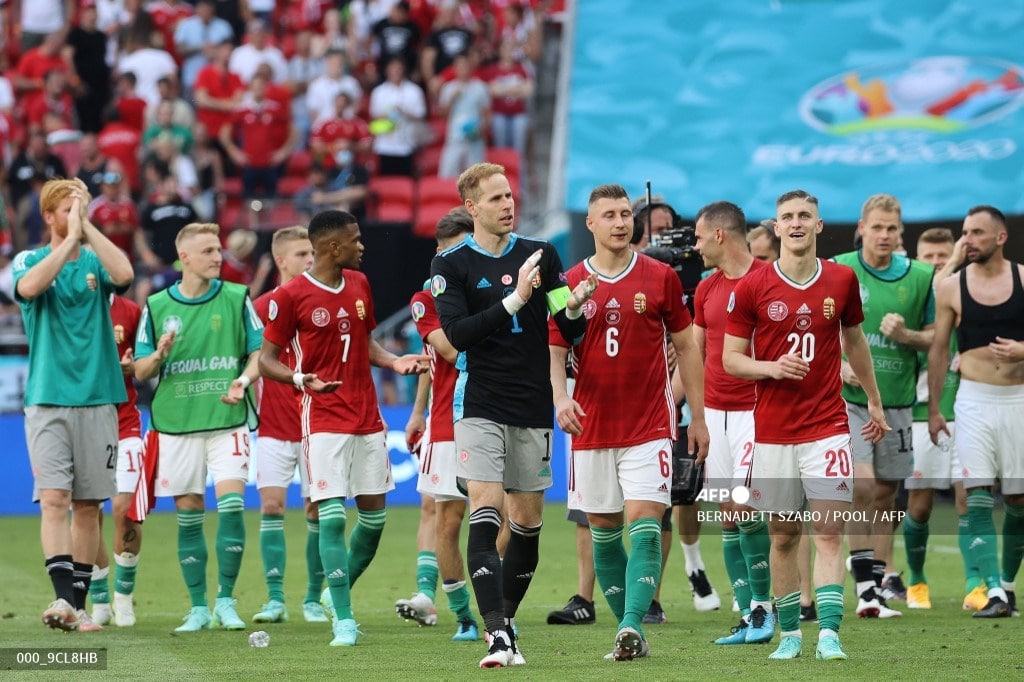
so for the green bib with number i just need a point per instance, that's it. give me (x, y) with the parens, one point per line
(896, 365)
(208, 354)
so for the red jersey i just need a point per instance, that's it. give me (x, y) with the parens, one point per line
(132, 112)
(442, 373)
(121, 142)
(514, 74)
(329, 330)
(125, 314)
(806, 319)
(63, 106)
(165, 18)
(722, 391)
(118, 220)
(34, 65)
(260, 126)
(622, 379)
(219, 85)
(330, 131)
(278, 403)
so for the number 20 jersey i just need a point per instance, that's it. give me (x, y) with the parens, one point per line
(622, 380)
(783, 317)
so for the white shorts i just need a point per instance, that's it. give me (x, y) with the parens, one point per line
(346, 465)
(276, 461)
(437, 477)
(989, 434)
(129, 464)
(601, 480)
(936, 467)
(184, 460)
(732, 444)
(783, 476)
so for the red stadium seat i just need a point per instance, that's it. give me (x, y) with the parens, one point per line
(428, 160)
(392, 199)
(233, 187)
(509, 158)
(427, 215)
(298, 163)
(290, 185)
(433, 189)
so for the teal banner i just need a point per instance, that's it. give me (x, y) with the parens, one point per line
(744, 100)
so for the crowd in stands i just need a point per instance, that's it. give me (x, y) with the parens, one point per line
(255, 113)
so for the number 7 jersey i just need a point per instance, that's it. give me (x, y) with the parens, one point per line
(783, 317)
(622, 380)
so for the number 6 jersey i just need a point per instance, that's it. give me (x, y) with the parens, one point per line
(622, 380)
(784, 317)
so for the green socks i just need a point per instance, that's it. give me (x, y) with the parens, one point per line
(789, 613)
(643, 570)
(334, 555)
(756, 546)
(983, 535)
(610, 567)
(458, 599)
(273, 552)
(971, 574)
(99, 588)
(230, 541)
(426, 574)
(1013, 541)
(915, 537)
(314, 568)
(124, 574)
(192, 553)
(364, 541)
(736, 568)
(830, 606)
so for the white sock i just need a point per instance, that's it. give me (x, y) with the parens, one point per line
(864, 586)
(1007, 586)
(691, 554)
(126, 559)
(451, 587)
(825, 632)
(100, 573)
(792, 633)
(997, 592)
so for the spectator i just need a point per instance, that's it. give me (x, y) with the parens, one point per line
(333, 35)
(448, 40)
(114, 213)
(397, 107)
(237, 263)
(511, 88)
(180, 165)
(320, 98)
(35, 160)
(363, 15)
(164, 127)
(196, 39)
(256, 122)
(217, 91)
(161, 220)
(55, 100)
(29, 228)
(120, 142)
(467, 104)
(112, 17)
(522, 30)
(131, 108)
(6, 90)
(210, 170)
(303, 68)
(396, 36)
(149, 65)
(346, 191)
(93, 164)
(166, 16)
(35, 64)
(336, 139)
(42, 20)
(90, 78)
(257, 50)
(182, 113)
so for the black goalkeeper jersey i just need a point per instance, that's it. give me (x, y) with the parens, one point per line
(504, 362)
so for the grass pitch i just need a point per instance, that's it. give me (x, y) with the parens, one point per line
(943, 643)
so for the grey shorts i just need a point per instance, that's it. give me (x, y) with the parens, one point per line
(893, 456)
(517, 457)
(73, 448)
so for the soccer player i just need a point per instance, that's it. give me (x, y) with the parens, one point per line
(621, 464)
(937, 466)
(798, 312)
(196, 336)
(326, 316)
(437, 480)
(70, 413)
(729, 408)
(899, 311)
(279, 451)
(125, 314)
(986, 305)
(484, 292)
